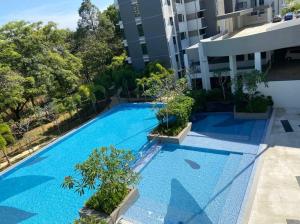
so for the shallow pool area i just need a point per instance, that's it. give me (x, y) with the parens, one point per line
(203, 180)
(32, 193)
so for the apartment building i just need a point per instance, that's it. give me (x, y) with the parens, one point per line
(162, 29)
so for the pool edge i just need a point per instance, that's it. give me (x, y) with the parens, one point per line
(64, 136)
(251, 190)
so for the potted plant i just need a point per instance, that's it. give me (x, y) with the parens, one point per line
(108, 172)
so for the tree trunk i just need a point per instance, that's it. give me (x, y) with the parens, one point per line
(6, 157)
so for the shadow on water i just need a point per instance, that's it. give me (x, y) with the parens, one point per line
(9, 215)
(35, 161)
(13, 186)
(180, 200)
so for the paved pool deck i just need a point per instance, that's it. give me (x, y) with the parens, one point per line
(277, 197)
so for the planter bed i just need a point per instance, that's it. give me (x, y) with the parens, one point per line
(117, 213)
(246, 115)
(172, 139)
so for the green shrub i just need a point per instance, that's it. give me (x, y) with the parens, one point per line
(199, 97)
(108, 197)
(258, 104)
(108, 171)
(174, 116)
(214, 95)
(90, 220)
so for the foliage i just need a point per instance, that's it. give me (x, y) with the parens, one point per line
(292, 6)
(35, 61)
(96, 39)
(108, 171)
(259, 104)
(90, 220)
(214, 95)
(175, 115)
(6, 138)
(247, 98)
(222, 80)
(200, 100)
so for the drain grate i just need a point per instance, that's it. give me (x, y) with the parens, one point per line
(298, 180)
(287, 126)
(292, 221)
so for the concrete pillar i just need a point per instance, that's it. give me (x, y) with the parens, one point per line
(257, 58)
(187, 69)
(233, 71)
(204, 68)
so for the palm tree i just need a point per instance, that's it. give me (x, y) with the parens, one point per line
(6, 138)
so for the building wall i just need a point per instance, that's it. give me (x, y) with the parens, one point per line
(282, 37)
(210, 17)
(154, 32)
(284, 93)
(154, 29)
(131, 33)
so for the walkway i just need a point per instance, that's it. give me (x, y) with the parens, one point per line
(277, 199)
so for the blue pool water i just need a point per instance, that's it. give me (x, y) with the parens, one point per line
(32, 193)
(203, 180)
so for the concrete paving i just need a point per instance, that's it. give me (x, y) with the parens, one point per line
(277, 199)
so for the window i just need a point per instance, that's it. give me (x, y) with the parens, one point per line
(127, 51)
(168, 2)
(136, 10)
(180, 18)
(140, 30)
(144, 49)
(171, 21)
(250, 56)
(183, 36)
(197, 83)
(202, 31)
(200, 14)
(179, 1)
(122, 33)
(240, 57)
(174, 40)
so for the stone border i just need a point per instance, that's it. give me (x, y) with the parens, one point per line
(117, 213)
(172, 139)
(256, 116)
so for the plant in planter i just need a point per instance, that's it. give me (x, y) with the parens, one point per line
(200, 99)
(108, 171)
(247, 98)
(222, 78)
(173, 118)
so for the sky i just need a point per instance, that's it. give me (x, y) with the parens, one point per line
(63, 12)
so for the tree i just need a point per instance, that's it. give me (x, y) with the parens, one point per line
(222, 80)
(108, 171)
(35, 62)
(248, 83)
(89, 14)
(163, 86)
(6, 138)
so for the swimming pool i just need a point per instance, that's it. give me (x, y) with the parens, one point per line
(203, 180)
(32, 193)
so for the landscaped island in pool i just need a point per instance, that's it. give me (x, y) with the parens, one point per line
(32, 193)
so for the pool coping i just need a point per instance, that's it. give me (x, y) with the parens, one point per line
(251, 190)
(68, 134)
